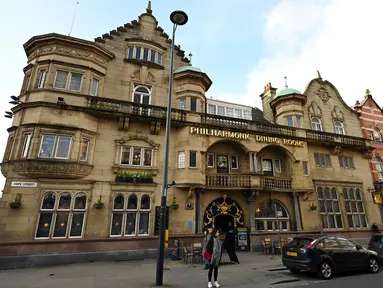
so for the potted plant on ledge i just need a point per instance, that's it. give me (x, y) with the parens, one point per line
(16, 203)
(99, 204)
(146, 178)
(174, 205)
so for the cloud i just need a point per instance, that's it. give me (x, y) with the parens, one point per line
(341, 38)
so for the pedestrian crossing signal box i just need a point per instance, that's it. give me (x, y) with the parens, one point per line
(243, 239)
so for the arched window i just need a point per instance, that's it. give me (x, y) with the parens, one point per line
(64, 219)
(124, 219)
(316, 124)
(339, 127)
(329, 208)
(379, 167)
(269, 213)
(142, 95)
(377, 135)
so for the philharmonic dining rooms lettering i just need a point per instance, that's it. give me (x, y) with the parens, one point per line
(245, 136)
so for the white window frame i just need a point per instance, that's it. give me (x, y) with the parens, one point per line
(54, 151)
(142, 95)
(68, 80)
(231, 163)
(377, 135)
(333, 213)
(218, 107)
(348, 201)
(265, 220)
(91, 87)
(142, 156)
(379, 167)
(214, 108)
(207, 160)
(146, 211)
(196, 104)
(248, 116)
(227, 113)
(26, 145)
(182, 103)
(193, 167)
(181, 159)
(238, 110)
(317, 124)
(305, 163)
(42, 77)
(57, 144)
(339, 127)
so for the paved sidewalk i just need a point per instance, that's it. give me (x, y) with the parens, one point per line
(254, 269)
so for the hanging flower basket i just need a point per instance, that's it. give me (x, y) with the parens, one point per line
(99, 204)
(15, 205)
(174, 205)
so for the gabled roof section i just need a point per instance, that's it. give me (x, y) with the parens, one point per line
(320, 81)
(37, 40)
(146, 20)
(359, 105)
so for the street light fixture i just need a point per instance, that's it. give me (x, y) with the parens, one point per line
(178, 18)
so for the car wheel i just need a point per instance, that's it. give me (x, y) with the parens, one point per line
(325, 270)
(294, 270)
(373, 265)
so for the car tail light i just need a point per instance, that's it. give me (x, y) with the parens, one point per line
(310, 245)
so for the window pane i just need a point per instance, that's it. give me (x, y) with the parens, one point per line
(260, 226)
(356, 220)
(316, 156)
(116, 224)
(43, 74)
(299, 121)
(132, 202)
(234, 162)
(44, 226)
(61, 79)
(159, 59)
(47, 146)
(348, 206)
(331, 221)
(327, 160)
(277, 164)
(75, 82)
(290, 121)
(324, 221)
(360, 207)
(146, 54)
(269, 225)
(284, 225)
(130, 228)
(27, 142)
(181, 159)
(49, 201)
(84, 150)
(65, 201)
(334, 194)
(339, 223)
(237, 113)
(320, 192)
(137, 98)
(229, 112)
(193, 159)
(345, 193)
(144, 224)
(130, 52)
(148, 157)
(80, 202)
(61, 224)
(336, 206)
(358, 194)
(94, 87)
(363, 220)
(119, 202)
(153, 56)
(138, 52)
(77, 224)
(305, 168)
(329, 206)
(322, 206)
(193, 105)
(125, 155)
(63, 147)
(351, 194)
(211, 109)
(183, 104)
(350, 221)
(221, 110)
(136, 156)
(210, 160)
(353, 207)
(327, 193)
(145, 202)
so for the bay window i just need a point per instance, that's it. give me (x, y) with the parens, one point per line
(68, 81)
(53, 146)
(136, 156)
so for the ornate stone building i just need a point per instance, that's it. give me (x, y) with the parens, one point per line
(371, 122)
(84, 159)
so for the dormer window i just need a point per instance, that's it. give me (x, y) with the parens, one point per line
(145, 54)
(316, 124)
(339, 127)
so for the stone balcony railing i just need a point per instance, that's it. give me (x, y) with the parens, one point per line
(270, 182)
(117, 108)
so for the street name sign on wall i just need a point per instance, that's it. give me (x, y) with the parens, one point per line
(24, 184)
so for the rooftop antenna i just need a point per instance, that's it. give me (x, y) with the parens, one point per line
(286, 82)
(74, 16)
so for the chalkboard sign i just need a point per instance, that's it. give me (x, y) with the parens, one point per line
(157, 220)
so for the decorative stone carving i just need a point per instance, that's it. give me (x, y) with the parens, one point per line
(145, 138)
(375, 154)
(68, 51)
(314, 109)
(5, 168)
(143, 75)
(51, 169)
(337, 114)
(336, 150)
(323, 94)
(368, 154)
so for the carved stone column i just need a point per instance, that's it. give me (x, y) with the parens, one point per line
(199, 212)
(255, 161)
(251, 162)
(252, 215)
(297, 212)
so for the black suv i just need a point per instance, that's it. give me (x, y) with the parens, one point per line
(376, 244)
(327, 255)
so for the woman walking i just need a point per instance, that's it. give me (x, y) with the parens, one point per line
(214, 248)
(205, 242)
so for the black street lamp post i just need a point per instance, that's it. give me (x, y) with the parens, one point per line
(178, 18)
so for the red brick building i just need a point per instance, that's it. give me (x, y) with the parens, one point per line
(371, 122)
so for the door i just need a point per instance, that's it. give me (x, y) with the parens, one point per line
(222, 163)
(142, 96)
(268, 167)
(356, 258)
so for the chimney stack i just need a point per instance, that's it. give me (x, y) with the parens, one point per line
(267, 96)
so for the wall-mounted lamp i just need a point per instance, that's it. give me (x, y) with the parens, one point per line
(170, 185)
(15, 100)
(61, 102)
(376, 196)
(8, 114)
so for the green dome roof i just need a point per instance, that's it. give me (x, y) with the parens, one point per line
(187, 68)
(287, 91)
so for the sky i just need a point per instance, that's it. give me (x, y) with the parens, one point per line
(240, 44)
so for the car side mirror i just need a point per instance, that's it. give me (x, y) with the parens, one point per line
(358, 247)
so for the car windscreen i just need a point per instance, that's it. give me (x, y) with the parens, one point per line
(300, 242)
(377, 239)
